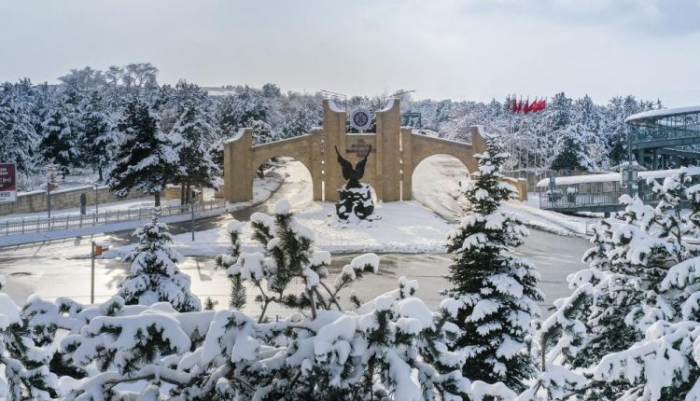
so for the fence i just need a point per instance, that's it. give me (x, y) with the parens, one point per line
(73, 221)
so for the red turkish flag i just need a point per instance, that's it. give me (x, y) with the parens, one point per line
(535, 106)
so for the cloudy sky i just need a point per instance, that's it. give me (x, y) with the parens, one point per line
(468, 49)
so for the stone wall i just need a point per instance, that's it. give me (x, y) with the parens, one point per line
(61, 199)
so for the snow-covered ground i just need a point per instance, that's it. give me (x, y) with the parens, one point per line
(75, 179)
(436, 184)
(546, 220)
(405, 227)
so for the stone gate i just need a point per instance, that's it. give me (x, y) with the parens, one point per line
(396, 152)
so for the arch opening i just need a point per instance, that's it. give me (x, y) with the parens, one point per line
(297, 185)
(437, 181)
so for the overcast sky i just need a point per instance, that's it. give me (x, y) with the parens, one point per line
(468, 49)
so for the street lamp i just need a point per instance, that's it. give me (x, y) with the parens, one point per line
(50, 177)
(97, 203)
(336, 95)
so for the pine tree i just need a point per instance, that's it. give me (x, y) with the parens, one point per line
(628, 303)
(59, 145)
(100, 140)
(146, 160)
(191, 136)
(24, 374)
(19, 137)
(225, 261)
(662, 363)
(154, 275)
(494, 295)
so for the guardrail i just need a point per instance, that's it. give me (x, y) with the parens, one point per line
(556, 201)
(75, 221)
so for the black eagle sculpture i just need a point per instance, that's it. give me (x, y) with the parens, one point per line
(355, 197)
(353, 175)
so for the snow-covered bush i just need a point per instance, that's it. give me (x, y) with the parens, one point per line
(154, 275)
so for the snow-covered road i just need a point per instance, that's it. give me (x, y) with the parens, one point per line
(62, 268)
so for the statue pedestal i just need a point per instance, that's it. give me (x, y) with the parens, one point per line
(356, 201)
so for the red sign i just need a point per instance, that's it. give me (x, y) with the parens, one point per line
(8, 182)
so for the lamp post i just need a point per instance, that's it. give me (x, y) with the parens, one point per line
(50, 177)
(194, 200)
(93, 252)
(97, 203)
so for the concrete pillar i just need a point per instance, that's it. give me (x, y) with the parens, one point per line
(407, 163)
(238, 173)
(640, 157)
(388, 151)
(317, 162)
(655, 161)
(333, 135)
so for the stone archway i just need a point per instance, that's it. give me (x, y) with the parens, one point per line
(396, 151)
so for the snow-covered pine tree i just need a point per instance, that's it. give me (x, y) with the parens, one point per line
(623, 299)
(394, 347)
(238, 290)
(663, 363)
(58, 145)
(289, 255)
(138, 346)
(24, 371)
(495, 295)
(19, 138)
(191, 137)
(100, 137)
(146, 160)
(154, 275)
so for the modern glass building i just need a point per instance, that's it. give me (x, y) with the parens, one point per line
(666, 138)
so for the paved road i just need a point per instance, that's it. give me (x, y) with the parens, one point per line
(62, 268)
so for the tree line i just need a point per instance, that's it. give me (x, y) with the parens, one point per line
(138, 134)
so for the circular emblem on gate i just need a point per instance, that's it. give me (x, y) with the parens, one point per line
(360, 119)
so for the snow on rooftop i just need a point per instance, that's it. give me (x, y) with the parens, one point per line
(612, 177)
(651, 114)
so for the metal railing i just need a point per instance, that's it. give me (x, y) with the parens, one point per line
(77, 221)
(556, 201)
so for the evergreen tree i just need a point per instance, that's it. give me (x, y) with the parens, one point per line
(59, 145)
(493, 295)
(629, 309)
(225, 261)
(573, 155)
(19, 138)
(662, 363)
(146, 160)
(101, 140)
(154, 275)
(191, 137)
(24, 374)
